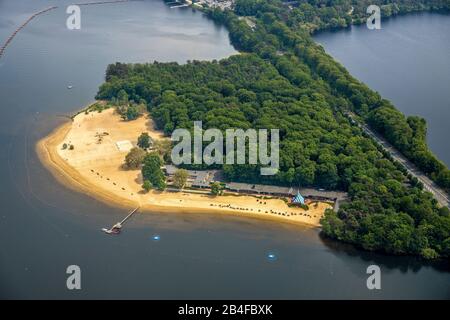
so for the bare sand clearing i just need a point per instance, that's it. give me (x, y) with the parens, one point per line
(94, 166)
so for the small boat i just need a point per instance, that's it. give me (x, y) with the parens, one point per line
(114, 230)
(106, 230)
(69, 87)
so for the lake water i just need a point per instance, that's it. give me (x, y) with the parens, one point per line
(45, 227)
(407, 62)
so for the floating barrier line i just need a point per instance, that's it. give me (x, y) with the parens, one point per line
(11, 37)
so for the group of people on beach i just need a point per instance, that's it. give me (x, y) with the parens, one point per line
(288, 214)
(101, 177)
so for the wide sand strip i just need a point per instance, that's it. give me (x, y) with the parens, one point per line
(95, 166)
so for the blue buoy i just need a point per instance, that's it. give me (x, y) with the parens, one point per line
(271, 256)
(156, 238)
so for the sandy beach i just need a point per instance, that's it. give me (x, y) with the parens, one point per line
(94, 165)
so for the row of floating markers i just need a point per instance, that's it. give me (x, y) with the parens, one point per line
(271, 256)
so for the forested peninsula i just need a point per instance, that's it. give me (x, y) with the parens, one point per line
(284, 80)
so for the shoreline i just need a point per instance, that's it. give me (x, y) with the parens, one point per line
(75, 179)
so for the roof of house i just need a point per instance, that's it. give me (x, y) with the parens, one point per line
(170, 169)
(258, 188)
(309, 192)
(268, 189)
(200, 178)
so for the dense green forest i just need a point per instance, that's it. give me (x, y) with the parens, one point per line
(315, 15)
(283, 80)
(283, 30)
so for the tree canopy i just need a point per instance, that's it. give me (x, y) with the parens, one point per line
(151, 171)
(180, 178)
(134, 158)
(144, 141)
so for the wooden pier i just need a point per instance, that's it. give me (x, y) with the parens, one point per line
(102, 2)
(180, 6)
(115, 229)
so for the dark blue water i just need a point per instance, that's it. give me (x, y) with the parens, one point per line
(407, 62)
(44, 227)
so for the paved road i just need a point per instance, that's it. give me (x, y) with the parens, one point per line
(440, 195)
